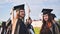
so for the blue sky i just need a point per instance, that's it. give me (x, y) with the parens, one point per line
(36, 7)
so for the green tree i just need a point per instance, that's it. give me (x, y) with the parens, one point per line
(0, 23)
(59, 20)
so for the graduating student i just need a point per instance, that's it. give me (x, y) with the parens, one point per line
(20, 27)
(48, 26)
(54, 21)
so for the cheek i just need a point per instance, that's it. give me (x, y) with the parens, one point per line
(46, 18)
(20, 13)
(23, 12)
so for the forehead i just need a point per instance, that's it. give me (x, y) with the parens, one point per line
(45, 14)
(21, 10)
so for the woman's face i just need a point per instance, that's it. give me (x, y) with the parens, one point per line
(45, 17)
(17, 14)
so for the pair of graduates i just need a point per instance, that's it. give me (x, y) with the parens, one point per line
(49, 24)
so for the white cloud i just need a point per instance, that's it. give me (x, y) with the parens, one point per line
(35, 5)
(3, 1)
(16, 2)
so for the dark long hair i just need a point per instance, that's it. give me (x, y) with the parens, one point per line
(44, 22)
(49, 19)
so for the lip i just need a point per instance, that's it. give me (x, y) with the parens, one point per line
(23, 14)
(45, 18)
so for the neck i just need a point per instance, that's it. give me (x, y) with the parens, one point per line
(22, 18)
(46, 21)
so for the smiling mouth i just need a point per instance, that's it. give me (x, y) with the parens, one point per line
(45, 18)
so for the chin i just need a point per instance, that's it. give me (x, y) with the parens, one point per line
(45, 20)
(22, 16)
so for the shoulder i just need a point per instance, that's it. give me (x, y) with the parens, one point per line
(31, 25)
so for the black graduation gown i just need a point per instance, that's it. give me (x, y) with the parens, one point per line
(58, 26)
(9, 30)
(3, 28)
(21, 28)
(9, 27)
(45, 30)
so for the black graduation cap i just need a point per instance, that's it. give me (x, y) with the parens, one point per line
(53, 15)
(19, 7)
(46, 11)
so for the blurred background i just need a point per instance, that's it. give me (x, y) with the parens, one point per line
(35, 7)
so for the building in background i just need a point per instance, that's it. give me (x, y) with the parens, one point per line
(37, 23)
